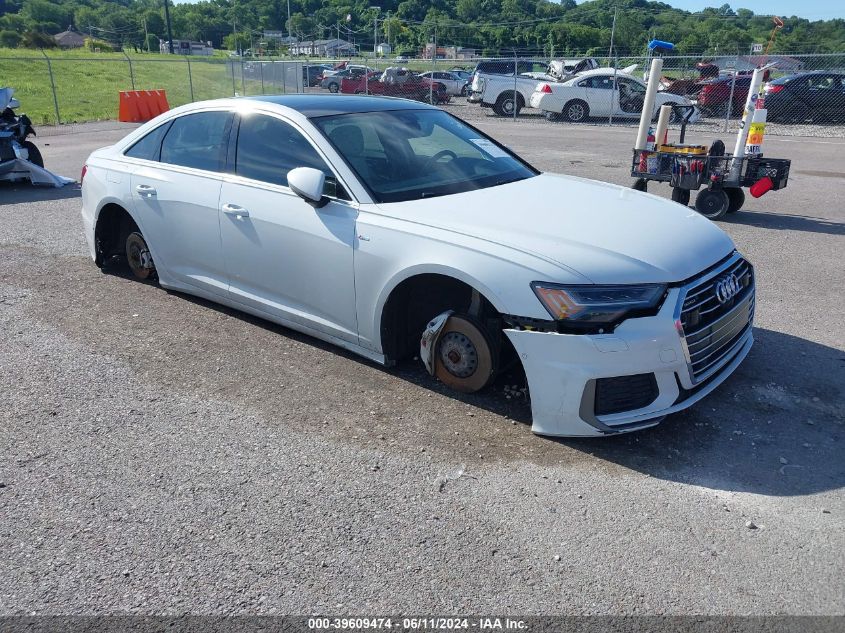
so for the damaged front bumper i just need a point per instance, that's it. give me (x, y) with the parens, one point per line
(595, 385)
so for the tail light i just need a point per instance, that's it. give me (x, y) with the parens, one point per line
(82, 175)
(546, 89)
(774, 89)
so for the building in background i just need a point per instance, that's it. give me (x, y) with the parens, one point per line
(323, 48)
(280, 37)
(70, 38)
(186, 47)
(449, 52)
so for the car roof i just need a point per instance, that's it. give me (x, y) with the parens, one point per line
(327, 105)
(810, 73)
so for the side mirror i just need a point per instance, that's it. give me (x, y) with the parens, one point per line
(307, 183)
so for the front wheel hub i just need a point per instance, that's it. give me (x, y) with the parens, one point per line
(458, 354)
(466, 358)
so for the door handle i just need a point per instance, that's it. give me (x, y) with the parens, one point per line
(145, 190)
(235, 210)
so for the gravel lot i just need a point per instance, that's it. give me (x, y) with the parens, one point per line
(164, 455)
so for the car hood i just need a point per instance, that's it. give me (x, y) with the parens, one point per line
(606, 233)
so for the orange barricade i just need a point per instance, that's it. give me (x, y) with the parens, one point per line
(138, 106)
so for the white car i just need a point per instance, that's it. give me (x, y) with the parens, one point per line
(454, 84)
(393, 229)
(603, 92)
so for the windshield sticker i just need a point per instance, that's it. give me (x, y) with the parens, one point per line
(489, 147)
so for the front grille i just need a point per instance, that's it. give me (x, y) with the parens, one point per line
(624, 393)
(712, 330)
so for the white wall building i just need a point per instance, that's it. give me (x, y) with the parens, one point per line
(323, 48)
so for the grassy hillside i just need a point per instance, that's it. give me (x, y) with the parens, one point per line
(87, 86)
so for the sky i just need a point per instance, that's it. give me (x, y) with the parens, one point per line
(812, 10)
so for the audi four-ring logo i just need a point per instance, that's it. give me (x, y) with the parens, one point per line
(727, 288)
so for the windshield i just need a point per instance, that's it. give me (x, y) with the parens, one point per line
(404, 155)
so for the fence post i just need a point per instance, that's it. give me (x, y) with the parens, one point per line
(615, 94)
(53, 86)
(190, 78)
(729, 108)
(234, 89)
(515, 98)
(131, 72)
(243, 81)
(261, 70)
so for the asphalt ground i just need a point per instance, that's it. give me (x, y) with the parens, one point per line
(165, 455)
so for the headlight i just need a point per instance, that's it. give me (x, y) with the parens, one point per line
(596, 305)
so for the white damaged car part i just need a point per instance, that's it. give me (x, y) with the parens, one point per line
(20, 158)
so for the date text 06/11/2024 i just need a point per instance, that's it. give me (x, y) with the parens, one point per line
(415, 624)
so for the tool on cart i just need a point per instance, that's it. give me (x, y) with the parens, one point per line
(690, 167)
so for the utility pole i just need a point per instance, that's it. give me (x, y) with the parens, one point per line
(146, 35)
(375, 30)
(169, 31)
(433, 67)
(289, 33)
(612, 33)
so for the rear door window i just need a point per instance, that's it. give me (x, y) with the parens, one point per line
(600, 82)
(149, 147)
(198, 141)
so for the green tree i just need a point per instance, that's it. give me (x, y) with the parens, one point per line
(9, 39)
(36, 39)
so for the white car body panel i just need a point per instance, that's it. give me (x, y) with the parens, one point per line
(185, 230)
(314, 247)
(329, 272)
(486, 89)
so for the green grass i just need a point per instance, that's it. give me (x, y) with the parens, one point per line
(87, 84)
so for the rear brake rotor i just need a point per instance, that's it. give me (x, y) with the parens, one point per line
(138, 256)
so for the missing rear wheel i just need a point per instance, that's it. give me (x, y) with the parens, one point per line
(138, 256)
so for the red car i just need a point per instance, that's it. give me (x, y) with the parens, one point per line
(412, 86)
(715, 94)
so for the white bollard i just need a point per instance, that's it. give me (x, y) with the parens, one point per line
(754, 143)
(662, 126)
(748, 113)
(648, 105)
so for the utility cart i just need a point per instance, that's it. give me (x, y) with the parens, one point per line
(689, 168)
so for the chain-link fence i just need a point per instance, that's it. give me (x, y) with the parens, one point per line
(64, 90)
(805, 94)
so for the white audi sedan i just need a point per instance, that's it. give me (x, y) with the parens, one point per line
(393, 229)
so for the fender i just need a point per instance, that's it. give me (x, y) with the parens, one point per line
(428, 269)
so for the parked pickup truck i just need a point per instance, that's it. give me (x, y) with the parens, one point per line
(504, 92)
